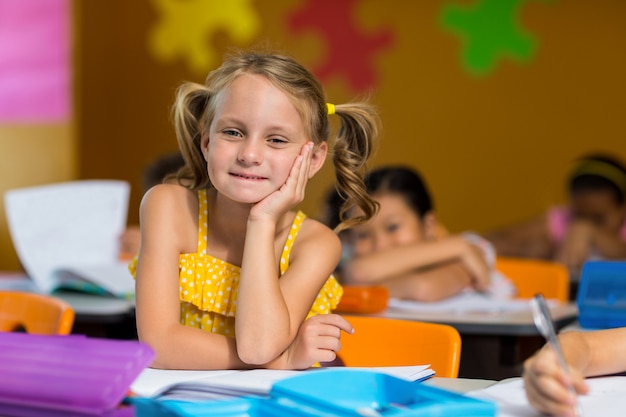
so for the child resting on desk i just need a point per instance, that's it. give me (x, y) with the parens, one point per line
(593, 225)
(227, 271)
(593, 353)
(405, 249)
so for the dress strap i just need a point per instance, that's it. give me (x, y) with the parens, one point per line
(291, 237)
(202, 220)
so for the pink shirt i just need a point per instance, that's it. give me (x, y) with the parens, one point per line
(559, 219)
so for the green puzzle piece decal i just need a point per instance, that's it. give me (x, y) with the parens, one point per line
(489, 30)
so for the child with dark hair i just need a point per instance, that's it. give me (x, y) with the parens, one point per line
(592, 225)
(405, 249)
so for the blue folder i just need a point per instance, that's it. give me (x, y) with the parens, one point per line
(601, 297)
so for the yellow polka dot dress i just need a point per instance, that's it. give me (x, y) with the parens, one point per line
(209, 286)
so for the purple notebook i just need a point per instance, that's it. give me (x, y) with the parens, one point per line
(67, 375)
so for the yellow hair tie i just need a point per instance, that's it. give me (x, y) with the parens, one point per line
(330, 108)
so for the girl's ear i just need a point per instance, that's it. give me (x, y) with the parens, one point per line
(204, 145)
(318, 158)
(432, 231)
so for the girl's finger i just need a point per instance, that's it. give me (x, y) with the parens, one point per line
(303, 175)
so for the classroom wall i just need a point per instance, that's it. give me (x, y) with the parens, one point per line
(495, 141)
(37, 141)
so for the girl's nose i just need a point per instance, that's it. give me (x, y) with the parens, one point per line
(250, 152)
(381, 242)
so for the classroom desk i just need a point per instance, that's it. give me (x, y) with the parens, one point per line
(514, 323)
(95, 315)
(494, 346)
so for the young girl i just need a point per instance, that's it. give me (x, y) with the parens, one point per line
(593, 225)
(591, 353)
(405, 249)
(227, 273)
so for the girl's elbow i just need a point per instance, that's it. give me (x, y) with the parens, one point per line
(256, 353)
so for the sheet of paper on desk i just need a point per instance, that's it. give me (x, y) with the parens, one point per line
(606, 398)
(188, 385)
(467, 302)
(73, 226)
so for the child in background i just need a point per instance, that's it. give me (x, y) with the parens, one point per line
(155, 173)
(593, 225)
(405, 249)
(593, 353)
(228, 274)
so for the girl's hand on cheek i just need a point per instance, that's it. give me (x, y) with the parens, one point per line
(291, 192)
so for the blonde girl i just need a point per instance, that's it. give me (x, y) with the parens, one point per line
(228, 274)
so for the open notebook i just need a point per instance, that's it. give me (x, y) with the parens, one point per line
(66, 235)
(203, 385)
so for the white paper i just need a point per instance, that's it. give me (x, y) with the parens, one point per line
(606, 398)
(72, 225)
(192, 385)
(466, 302)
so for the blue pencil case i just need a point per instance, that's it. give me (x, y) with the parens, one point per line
(338, 392)
(601, 297)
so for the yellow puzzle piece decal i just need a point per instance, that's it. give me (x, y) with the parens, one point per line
(184, 29)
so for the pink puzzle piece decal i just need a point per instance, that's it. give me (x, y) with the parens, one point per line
(350, 51)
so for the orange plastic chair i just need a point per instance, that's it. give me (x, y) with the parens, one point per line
(34, 313)
(532, 276)
(363, 299)
(379, 341)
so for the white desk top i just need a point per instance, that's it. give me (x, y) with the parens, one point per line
(512, 323)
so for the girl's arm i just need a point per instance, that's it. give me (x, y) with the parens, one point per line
(432, 284)
(270, 311)
(377, 267)
(169, 227)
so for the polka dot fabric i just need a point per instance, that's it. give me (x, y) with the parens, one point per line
(209, 286)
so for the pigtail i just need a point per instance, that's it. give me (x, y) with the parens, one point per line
(189, 117)
(354, 144)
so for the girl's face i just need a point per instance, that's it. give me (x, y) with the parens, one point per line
(254, 139)
(600, 208)
(396, 224)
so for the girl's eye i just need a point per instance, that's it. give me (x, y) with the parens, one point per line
(233, 133)
(393, 227)
(277, 141)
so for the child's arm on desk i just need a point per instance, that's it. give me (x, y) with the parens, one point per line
(429, 271)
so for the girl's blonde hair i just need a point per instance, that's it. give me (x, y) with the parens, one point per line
(195, 106)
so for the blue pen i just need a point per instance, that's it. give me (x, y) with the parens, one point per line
(545, 326)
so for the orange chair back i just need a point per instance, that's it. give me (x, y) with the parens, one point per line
(34, 313)
(532, 276)
(381, 341)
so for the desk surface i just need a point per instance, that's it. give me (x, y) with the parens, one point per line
(461, 385)
(513, 323)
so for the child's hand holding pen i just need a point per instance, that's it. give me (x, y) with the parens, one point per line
(552, 385)
(549, 388)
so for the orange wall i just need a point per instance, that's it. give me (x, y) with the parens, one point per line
(494, 148)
